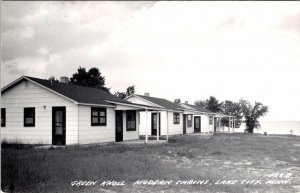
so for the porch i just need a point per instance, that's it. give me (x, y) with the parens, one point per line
(218, 127)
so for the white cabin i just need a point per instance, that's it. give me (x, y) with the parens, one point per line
(39, 111)
(170, 121)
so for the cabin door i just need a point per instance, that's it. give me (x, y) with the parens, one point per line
(215, 124)
(197, 124)
(184, 124)
(59, 125)
(119, 126)
(154, 126)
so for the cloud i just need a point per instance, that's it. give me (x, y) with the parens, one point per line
(23, 66)
(43, 50)
(191, 50)
(59, 25)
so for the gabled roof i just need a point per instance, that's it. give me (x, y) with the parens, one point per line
(161, 102)
(198, 108)
(75, 93)
(202, 109)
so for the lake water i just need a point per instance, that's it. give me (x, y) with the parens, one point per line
(277, 127)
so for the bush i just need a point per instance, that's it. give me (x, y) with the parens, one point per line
(15, 145)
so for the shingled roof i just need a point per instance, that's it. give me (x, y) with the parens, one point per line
(198, 108)
(80, 94)
(162, 102)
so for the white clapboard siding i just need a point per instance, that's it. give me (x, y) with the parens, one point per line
(130, 135)
(174, 129)
(143, 126)
(95, 134)
(20, 96)
(205, 128)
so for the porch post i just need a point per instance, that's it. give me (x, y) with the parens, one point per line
(146, 126)
(229, 122)
(167, 125)
(157, 126)
(233, 124)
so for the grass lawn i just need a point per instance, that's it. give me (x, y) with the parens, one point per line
(185, 158)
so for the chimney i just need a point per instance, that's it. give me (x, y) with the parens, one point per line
(186, 102)
(64, 79)
(146, 94)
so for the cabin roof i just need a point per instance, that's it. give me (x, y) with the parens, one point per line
(199, 108)
(162, 102)
(76, 93)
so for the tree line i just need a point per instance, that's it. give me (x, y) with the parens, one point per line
(241, 109)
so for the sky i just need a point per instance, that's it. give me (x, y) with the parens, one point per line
(187, 50)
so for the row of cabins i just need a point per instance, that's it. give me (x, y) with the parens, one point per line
(41, 111)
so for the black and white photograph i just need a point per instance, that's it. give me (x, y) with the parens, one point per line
(150, 96)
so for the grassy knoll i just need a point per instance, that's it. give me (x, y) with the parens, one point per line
(218, 157)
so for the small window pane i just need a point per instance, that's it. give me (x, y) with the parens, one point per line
(29, 120)
(95, 119)
(102, 120)
(58, 124)
(94, 113)
(102, 113)
(131, 124)
(58, 130)
(58, 116)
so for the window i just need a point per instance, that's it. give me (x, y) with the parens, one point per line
(130, 121)
(98, 116)
(210, 120)
(29, 117)
(3, 117)
(189, 121)
(176, 118)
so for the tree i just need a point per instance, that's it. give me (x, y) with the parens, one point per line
(91, 78)
(234, 109)
(129, 91)
(252, 114)
(177, 101)
(213, 105)
(201, 103)
(120, 95)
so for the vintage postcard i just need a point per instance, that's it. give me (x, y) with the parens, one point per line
(150, 96)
